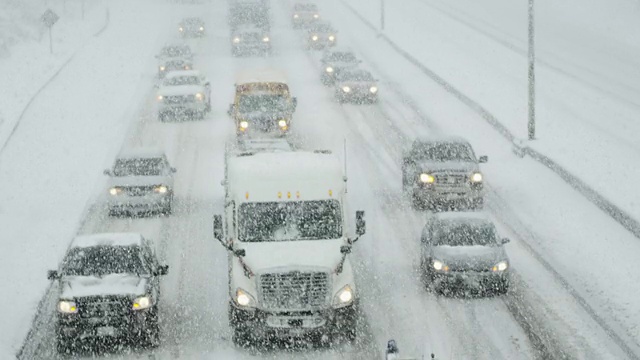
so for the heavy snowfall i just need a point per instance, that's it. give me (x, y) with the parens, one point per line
(338, 179)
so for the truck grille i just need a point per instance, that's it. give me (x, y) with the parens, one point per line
(450, 181)
(294, 290)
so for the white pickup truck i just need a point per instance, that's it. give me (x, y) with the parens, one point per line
(286, 230)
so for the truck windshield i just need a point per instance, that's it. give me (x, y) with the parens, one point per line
(182, 80)
(263, 102)
(286, 221)
(103, 260)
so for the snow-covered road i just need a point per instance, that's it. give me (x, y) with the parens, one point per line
(540, 216)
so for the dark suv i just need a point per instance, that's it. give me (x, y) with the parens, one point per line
(109, 287)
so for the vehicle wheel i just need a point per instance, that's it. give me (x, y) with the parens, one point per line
(477, 203)
(162, 117)
(417, 203)
(114, 212)
(352, 333)
(241, 338)
(150, 335)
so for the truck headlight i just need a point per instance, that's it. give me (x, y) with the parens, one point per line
(243, 298)
(427, 178)
(346, 89)
(244, 125)
(180, 29)
(373, 89)
(282, 123)
(314, 38)
(187, 67)
(199, 96)
(236, 40)
(162, 68)
(329, 69)
(161, 189)
(160, 97)
(201, 28)
(115, 191)
(295, 16)
(142, 302)
(501, 266)
(476, 177)
(440, 266)
(344, 296)
(332, 37)
(316, 16)
(265, 39)
(67, 307)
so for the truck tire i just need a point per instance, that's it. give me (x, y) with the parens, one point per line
(64, 345)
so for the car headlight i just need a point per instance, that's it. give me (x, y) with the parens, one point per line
(314, 38)
(187, 67)
(180, 29)
(440, 266)
(67, 307)
(199, 96)
(346, 89)
(476, 177)
(427, 178)
(373, 89)
(282, 123)
(315, 16)
(160, 97)
(329, 69)
(501, 266)
(265, 39)
(143, 302)
(236, 40)
(115, 191)
(295, 16)
(162, 68)
(244, 125)
(344, 296)
(201, 28)
(243, 298)
(332, 37)
(161, 189)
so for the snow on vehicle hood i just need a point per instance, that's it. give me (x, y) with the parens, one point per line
(355, 83)
(453, 166)
(341, 64)
(469, 257)
(112, 284)
(262, 256)
(140, 180)
(181, 90)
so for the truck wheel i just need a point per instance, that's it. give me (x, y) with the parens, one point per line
(477, 203)
(241, 338)
(416, 202)
(162, 117)
(149, 337)
(64, 345)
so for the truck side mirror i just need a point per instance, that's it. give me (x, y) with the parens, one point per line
(345, 249)
(217, 228)
(483, 159)
(361, 225)
(162, 270)
(295, 102)
(239, 252)
(107, 172)
(230, 111)
(53, 275)
(505, 241)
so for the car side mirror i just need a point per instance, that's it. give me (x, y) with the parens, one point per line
(162, 270)
(295, 102)
(361, 224)
(53, 275)
(505, 241)
(345, 249)
(174, 170)
(217, 228)
(107, 172)
(483, 159)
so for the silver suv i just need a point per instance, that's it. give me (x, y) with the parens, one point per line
(443, 174)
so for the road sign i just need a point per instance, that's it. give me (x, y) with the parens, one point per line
(49, 18)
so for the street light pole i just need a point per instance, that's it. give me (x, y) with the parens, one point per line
(531, 125)
(381, 15)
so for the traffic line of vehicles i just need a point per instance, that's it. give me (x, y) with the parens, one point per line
(286, 221)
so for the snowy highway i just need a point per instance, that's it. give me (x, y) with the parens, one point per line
(552, 310)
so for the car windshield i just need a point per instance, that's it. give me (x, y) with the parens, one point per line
(321, 28)
(342, 56)
(306, 7)
(286, 221)
(443, 152)
(263, 102)
(354, 76)
(174, 51)
(103, 260)
(139, 167)
(192, 22)
(456, 233)
(182, 80)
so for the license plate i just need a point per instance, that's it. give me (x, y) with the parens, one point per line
(106, 331)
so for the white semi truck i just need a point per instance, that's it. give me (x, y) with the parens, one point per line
(285, 227)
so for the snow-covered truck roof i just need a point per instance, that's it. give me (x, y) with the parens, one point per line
(285, 176)
(107, 239)
(261, 76)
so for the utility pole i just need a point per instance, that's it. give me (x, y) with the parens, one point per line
(49, 18)
(381, 15)
(531, 125)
